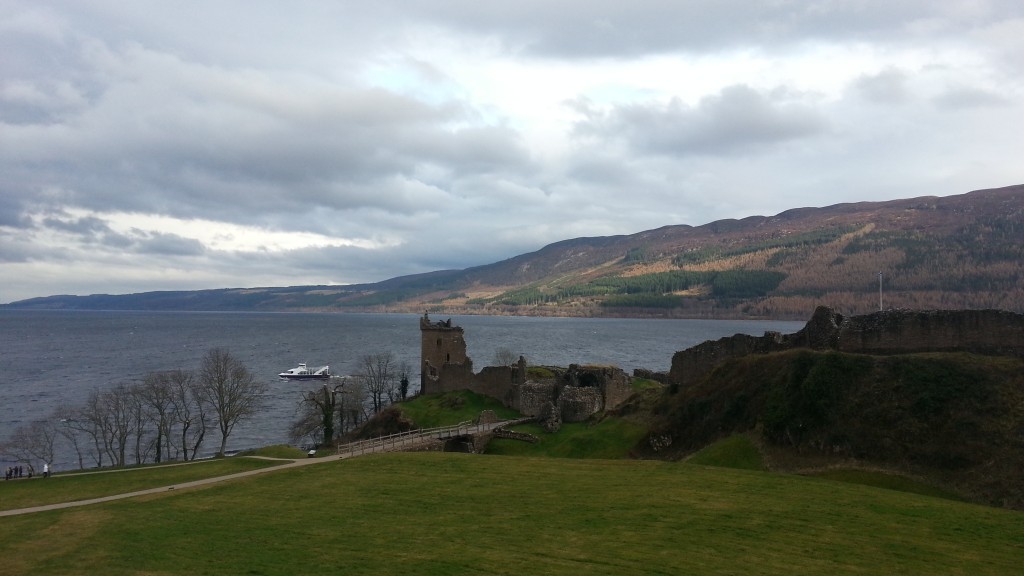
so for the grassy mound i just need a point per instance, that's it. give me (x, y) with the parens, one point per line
(733, 452)
(450, 408)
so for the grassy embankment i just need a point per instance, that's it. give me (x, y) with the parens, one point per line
(433, 513)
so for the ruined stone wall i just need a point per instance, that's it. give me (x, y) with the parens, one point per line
(450, 378)
(899, 331)
(692, 364)
(616, 388)
(888, 332)
(579, 403)
(495, 381)
(529, 397)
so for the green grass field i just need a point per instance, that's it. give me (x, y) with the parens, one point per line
(736, 451)
(87, 485)
(610, 438)
(436, 513)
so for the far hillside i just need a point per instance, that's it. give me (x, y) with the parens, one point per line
(962, 251)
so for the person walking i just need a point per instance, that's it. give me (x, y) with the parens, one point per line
(46, 470)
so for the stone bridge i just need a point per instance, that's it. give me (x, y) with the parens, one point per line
(465, 437)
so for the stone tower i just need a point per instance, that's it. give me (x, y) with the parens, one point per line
(442, 348)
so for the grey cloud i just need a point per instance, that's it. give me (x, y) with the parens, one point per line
(609, 28)
(88, 230)
(263, 116)
(164, 244)
(11, 208)
(886, 87)
(13, 249)
(88, 226)
(964, 97)
(96, 231)
(738, 119)
(183, 139)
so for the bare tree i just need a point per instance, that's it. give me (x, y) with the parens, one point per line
(190, 416)
(352, 404)
(32, 442)
(70, 431)
(156, 395)
(379, 374)
(120, 423)
(91, 420)
(505, 357)
(230, 391)
(318, 413)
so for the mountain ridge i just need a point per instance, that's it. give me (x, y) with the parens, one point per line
(961, 251)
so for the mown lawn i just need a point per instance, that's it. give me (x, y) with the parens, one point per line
(435, 513)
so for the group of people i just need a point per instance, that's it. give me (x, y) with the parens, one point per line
(16, 472)
(13, 472)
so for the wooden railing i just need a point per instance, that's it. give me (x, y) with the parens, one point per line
(413, 438)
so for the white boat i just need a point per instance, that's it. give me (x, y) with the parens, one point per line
(303, 372)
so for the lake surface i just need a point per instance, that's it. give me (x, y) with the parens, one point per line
(52, 358)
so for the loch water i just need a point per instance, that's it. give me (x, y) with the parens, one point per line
(50, 358)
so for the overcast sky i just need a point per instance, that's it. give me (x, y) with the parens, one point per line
(213, 144)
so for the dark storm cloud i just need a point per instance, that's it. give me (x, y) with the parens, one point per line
(738, 119)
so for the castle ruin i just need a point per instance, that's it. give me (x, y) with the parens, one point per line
(574, 394)
(990, 332)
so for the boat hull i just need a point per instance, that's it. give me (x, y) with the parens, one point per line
(303, 372)
(304, 377)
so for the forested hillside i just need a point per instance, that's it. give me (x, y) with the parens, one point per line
(964, 251)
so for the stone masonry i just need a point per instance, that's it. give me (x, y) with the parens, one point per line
(577, 393)
(992, 332)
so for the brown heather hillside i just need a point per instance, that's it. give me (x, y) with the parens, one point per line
(963, 251)
(953, 252)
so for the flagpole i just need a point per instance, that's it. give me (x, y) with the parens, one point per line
(879, 291)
